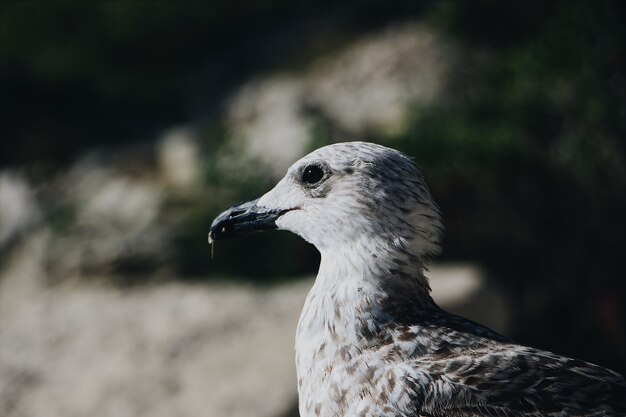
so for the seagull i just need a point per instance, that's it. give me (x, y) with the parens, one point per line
(370, 340)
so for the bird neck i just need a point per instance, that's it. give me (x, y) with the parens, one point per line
(362, 288)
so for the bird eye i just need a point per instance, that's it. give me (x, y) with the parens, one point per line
(312, 174)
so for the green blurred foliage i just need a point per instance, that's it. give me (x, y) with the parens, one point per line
(77, 74)
(527, 158)
(533, 128)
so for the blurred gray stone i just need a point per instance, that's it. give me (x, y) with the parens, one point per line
(18, 207)
(163, 350)
(370, 86)
(160, 351)
(120, 202)
(115, 219)
(365, 89)
(268, 125)
(179, 159)
(462, 289)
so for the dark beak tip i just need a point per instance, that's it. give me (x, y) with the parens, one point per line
(241, 220)
(218, 230)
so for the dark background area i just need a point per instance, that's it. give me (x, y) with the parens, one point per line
(77, 74)
(526, 156)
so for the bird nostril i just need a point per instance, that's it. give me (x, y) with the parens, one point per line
(235, 213)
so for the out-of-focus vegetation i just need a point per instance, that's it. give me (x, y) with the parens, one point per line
(76, 74)
(527, 159)
(525, 152)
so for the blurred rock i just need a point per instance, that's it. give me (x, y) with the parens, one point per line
(170, 350)
(463, 289)
(363, 90)
(23, 275)
(454, 284)
(163, 350)
(112, 219)
(118, 202)
(18, 207)
(369, 86)
(268, 123)
(179, 162)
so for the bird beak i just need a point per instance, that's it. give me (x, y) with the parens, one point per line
(244, 219)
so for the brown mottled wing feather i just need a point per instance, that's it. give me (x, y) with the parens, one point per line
(518, 381)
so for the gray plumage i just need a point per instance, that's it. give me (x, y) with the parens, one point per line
(370, 340)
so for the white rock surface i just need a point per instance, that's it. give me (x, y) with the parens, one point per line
(112, 213)
(163, 350)
(114, 200)
(179, 159)
(268, 125)
(370, 86)
(462, 288)
(169, 350)
(365, 88)
(18, 207)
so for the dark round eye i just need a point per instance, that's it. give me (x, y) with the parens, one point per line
(312, 174)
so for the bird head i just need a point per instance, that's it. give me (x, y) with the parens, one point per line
(342, 194)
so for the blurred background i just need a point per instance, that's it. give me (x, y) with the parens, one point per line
(127, 126)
